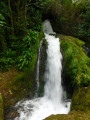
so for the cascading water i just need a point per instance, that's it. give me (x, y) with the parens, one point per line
(52, 102)
(37, 73)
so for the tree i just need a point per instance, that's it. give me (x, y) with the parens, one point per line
(2, 34)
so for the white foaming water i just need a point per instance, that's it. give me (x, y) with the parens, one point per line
(51, 102)
(37, 73)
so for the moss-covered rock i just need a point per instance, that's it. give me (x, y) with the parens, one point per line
(1, 108)
(81, 99)
(74, 115)
(76, 62)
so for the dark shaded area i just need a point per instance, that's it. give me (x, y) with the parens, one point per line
(66, 83)
(70, 18)
(43, 57)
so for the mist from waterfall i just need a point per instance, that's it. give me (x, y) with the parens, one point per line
(52, 102)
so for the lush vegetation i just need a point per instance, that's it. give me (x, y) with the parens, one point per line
(20, 35)
(76, 62)
(20, 31)
(71, 18)
(21, 26)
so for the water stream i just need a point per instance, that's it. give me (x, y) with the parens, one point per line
(52, 102)
(37, 73)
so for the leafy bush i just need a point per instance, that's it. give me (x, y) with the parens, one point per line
(26, 52)
(2, 20)
(29, 49)
(7, 59)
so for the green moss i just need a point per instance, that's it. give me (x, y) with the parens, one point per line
(1, 108)
(74, 115)
(81, 99)
(76, 62)
(76, 41)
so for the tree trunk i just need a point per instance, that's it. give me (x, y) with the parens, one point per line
(9, 5)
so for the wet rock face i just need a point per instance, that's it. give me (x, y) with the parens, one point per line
(1, 108)
(87, 50)
(11, 113)
(43, 57)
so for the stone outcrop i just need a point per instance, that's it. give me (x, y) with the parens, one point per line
(81, 99)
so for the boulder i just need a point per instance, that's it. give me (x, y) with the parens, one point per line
(74, 115)
(81, 99)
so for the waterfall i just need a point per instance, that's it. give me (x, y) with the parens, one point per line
(52, 102)
(37, 73)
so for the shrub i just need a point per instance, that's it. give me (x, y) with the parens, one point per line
(29, 49)
(7, 59)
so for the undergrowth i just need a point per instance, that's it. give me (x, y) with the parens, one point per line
(23, 55)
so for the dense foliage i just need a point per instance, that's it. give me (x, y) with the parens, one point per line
(84, 28)
(21, 17)
(71, 18)
(29, 49)
(20, 33)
